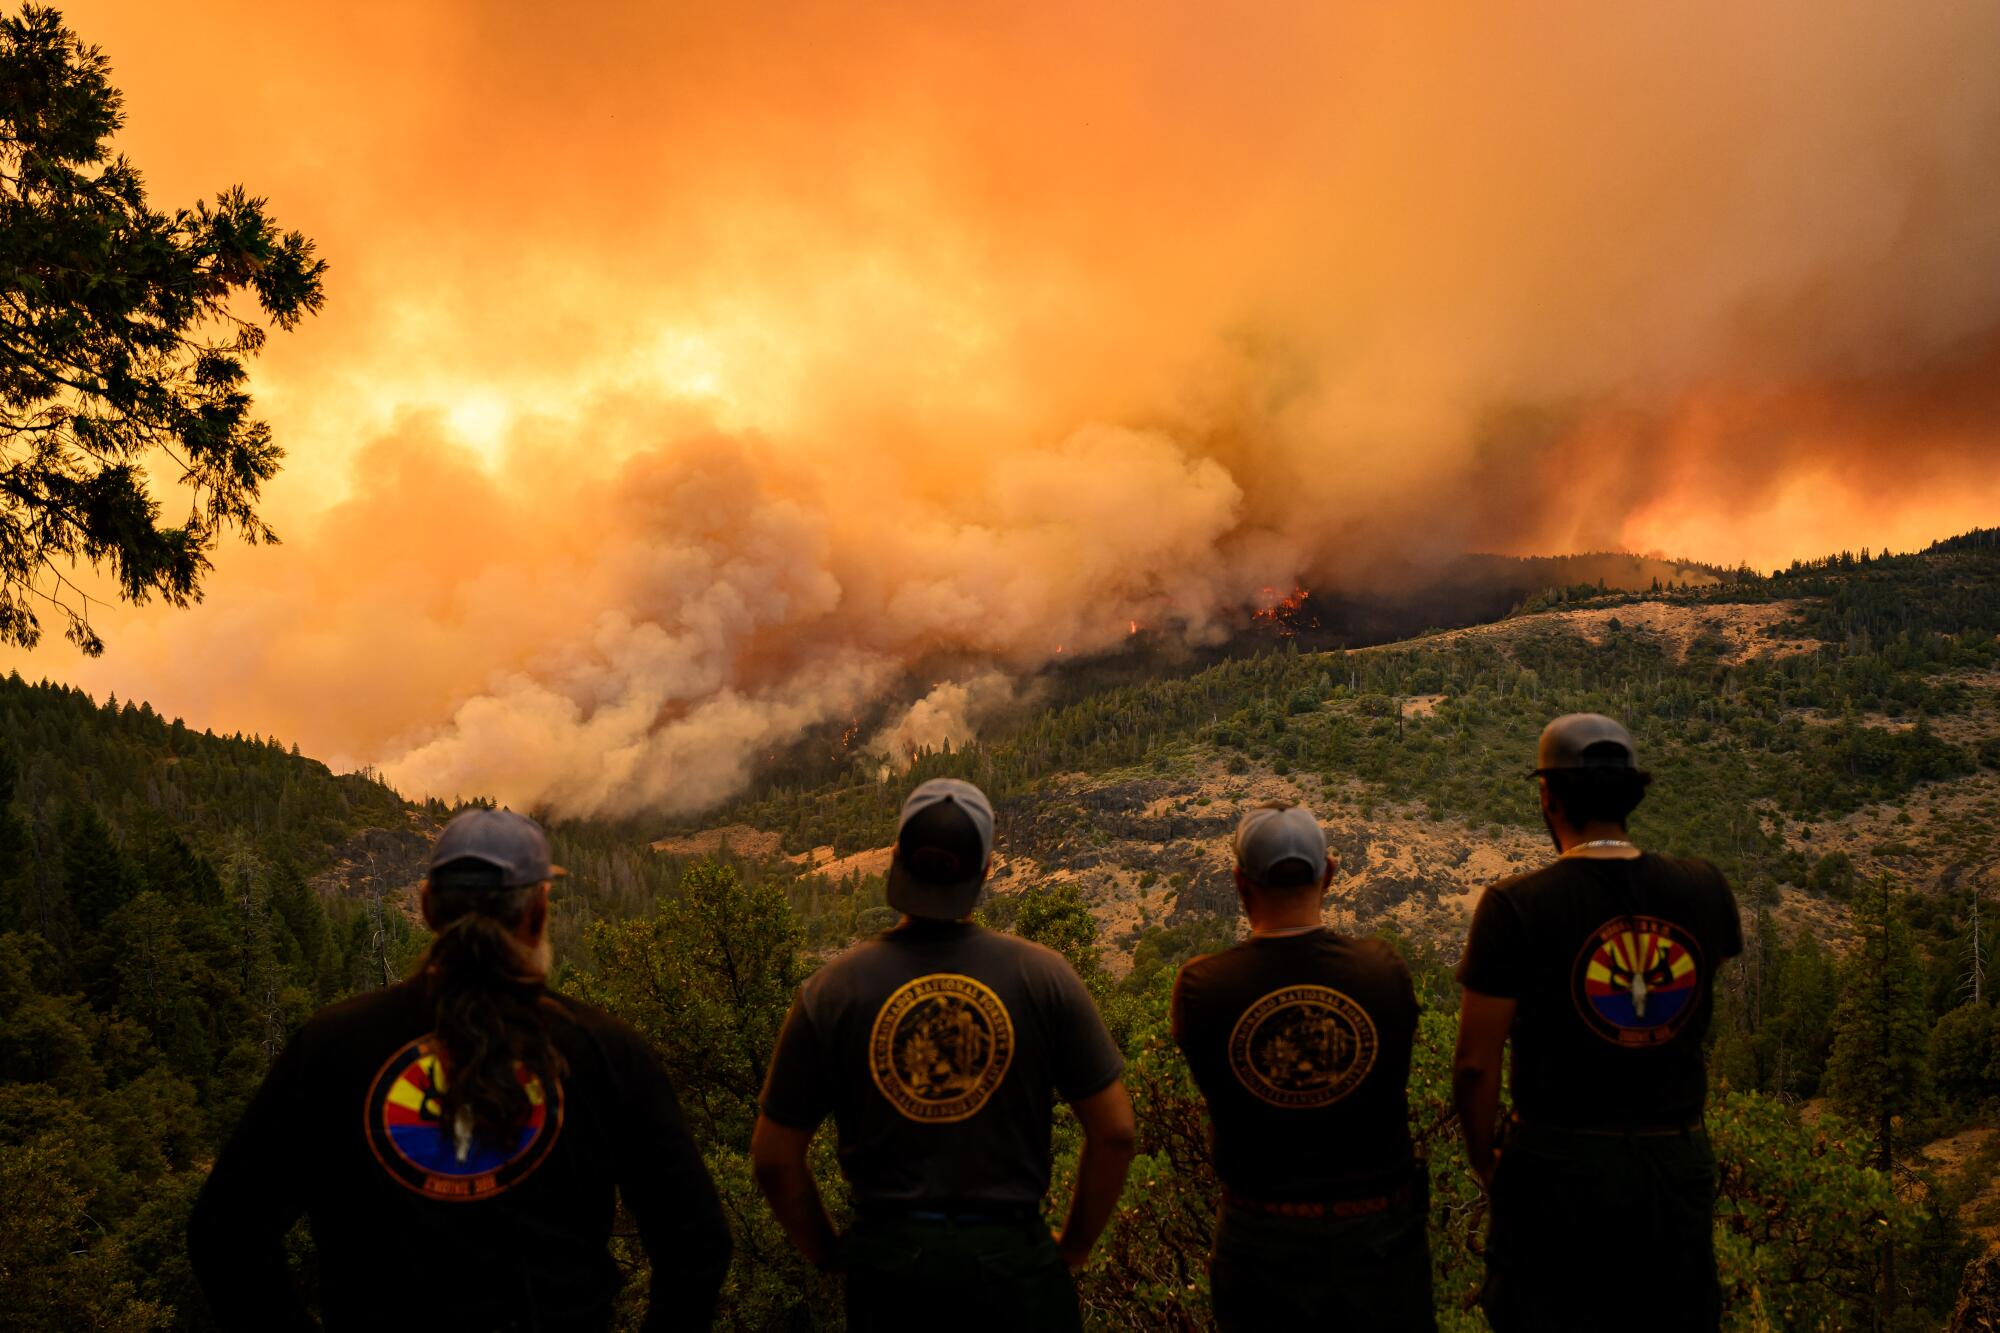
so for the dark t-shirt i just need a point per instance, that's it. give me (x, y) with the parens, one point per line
(1301, 1046)
(1612, 964)
(939, 1049)
(415, 1229)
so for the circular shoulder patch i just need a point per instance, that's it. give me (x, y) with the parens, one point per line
(1637, 980)
(1303, 1047)
(408, 1135)
(940, 1046)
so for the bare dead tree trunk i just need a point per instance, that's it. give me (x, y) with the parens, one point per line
(1885, 1157)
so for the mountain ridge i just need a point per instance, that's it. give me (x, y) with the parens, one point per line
(175, 903)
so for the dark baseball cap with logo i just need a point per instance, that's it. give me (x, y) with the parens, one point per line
(1581, 741)
(495, 849)
(943, 841)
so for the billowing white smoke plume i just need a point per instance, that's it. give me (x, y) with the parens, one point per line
(739, 604)
(906, 347)
(949, 715)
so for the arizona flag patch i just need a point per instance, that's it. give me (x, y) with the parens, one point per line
(1638, 980)
(409, 1136)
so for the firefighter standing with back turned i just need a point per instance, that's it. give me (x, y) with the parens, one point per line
(1300, 1040)
(1600, 970)
(939, 1049)
(459, 1140)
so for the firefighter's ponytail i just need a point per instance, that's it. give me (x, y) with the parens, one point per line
(492, 1017)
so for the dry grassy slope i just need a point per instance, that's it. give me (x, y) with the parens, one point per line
(740, 839)
(1145, 847)
(1948, 843)
(1973, 1150)
(1946, 835)
(1399, 868)
(1750, 629)
(1157, 849)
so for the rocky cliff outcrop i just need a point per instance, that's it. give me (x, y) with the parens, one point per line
(1978, 1308)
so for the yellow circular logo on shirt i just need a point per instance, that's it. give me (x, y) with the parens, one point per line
(940, 1046)
(1302, 1046)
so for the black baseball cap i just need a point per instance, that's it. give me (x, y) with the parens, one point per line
(944, 838)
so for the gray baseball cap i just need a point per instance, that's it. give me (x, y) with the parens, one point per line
(1568, 742)
(512, 844)
(943, 840)
(1273, 834)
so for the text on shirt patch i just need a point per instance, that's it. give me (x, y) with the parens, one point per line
(408, 1135)
(940, 1046)
(1637, 979)
(1302, 1047)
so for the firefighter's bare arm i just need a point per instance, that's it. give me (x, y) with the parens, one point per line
(1483, 1024)
(778, 1158)
(1110, 1138)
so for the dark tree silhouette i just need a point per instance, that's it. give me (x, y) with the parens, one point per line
(122, 347)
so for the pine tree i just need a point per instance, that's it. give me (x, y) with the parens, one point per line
(1879, 1071)
(17, 908)
(1803, 1029)
(95, 876)
(259, 980)
(1962, 1054)
(125, 334)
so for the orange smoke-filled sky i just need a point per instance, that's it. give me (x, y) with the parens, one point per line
(690, 373)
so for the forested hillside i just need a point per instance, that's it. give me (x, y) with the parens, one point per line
(1829, 736)
(176, 902)
(163, 935)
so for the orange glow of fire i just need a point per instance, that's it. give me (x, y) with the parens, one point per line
(1280, 613)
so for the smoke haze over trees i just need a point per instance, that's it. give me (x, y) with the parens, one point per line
(920, 344)
(718, 409)
(173, 902)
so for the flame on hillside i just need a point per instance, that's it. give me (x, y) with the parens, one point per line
(1287, 615)
(878, 336)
